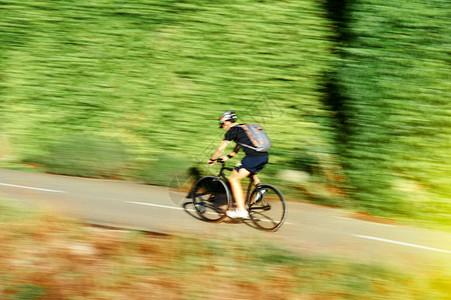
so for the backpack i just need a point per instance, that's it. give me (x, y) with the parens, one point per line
(257, 136)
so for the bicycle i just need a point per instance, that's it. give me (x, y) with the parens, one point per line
(212, 198)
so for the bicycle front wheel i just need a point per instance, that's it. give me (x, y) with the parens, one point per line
(267, 207)
(211, 198)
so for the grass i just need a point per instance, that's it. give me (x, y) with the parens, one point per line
(48, 256)
(157, 74)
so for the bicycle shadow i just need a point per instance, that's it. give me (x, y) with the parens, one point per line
(249, 223)
(188, 207)
(208, 210)
(262, 222)
(191, 210)
(257, 222)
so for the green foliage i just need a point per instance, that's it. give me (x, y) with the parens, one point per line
(304, 160)
(166, 170)
(82, 155)
(394, 135)
(28, 292)
(13, 211)
(157, 74)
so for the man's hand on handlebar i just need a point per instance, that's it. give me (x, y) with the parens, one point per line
(214, 161)
(224, 158)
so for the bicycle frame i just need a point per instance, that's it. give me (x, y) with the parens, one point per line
(266, 212)
(222, 176)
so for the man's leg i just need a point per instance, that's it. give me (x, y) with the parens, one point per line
(256, 179)
(237, 190)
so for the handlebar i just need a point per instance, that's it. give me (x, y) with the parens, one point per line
(223, 164)
(218, 160)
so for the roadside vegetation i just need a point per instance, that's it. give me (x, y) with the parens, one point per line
(391, 96)
(48, 256)
(353, 94)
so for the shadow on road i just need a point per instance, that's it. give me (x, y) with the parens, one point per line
(191, 210)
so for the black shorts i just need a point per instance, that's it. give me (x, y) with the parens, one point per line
(253, 164)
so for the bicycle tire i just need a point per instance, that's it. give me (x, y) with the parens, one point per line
(270, 211)
(211, 198)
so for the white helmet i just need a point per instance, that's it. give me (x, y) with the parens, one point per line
(227, 116)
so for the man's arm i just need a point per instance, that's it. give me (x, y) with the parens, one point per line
(231, 154)
(220, 149)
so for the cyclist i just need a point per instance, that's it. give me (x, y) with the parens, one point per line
(252, 163)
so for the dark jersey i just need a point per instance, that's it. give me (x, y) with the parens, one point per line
(239, 136)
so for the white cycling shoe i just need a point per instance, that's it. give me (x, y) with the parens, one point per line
(238, 214)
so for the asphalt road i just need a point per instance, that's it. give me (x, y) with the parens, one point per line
(309, 229)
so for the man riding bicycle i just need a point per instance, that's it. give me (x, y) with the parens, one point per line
(253, 162)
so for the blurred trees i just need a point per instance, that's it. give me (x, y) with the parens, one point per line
(392, 98)
(155, 76)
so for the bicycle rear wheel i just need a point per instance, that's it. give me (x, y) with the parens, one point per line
(267, 207)
(211, 198)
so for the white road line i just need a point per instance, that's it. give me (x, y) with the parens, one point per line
(31, 188)
(401, 243)
(156, 205)
(163, 206)
(174, 207)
